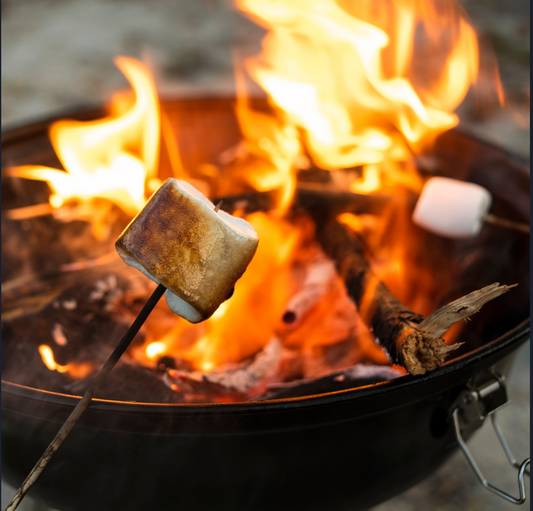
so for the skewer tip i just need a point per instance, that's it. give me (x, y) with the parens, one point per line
(219, 205)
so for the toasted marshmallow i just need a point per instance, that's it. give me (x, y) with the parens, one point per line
(178, 240)
(452, 208)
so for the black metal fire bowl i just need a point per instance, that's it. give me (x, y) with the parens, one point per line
(344, 450)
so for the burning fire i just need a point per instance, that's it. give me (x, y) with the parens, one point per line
(75, 370)
(114, 158)
(343, 74)
(346, 91)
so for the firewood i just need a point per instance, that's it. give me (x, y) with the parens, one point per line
(312, 197)
(319, 274)
(241, 383)
(315, 196)
(411, 341)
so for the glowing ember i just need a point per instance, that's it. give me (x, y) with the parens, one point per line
(154, 349)
(48, 359)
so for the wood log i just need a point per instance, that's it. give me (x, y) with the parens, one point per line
(319, 276)
(313, 197)
(241, 383)
(410, 340)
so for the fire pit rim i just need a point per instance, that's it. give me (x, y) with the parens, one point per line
(507, 342)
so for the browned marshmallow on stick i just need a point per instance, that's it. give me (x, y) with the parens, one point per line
(180, 241)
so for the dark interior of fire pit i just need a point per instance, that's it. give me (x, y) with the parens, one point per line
(58, 272)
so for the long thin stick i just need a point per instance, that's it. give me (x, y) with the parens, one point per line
(86, 399)
(503, 222)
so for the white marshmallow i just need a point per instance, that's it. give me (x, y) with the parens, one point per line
(452, 208)
(198, 254)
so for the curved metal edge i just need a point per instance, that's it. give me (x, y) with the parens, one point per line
(510, 341)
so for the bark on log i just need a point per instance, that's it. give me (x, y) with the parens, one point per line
(411, 341)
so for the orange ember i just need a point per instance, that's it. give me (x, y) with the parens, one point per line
(363, 86)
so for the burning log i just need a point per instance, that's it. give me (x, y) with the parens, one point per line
(247, 380)
(411, 341)
(312, 196)
(317, 282)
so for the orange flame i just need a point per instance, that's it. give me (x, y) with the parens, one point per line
(74, 370)
(344, 86)
(335, 73)
(254, 312)
(243, 324)
(110, 158)
(276, 142)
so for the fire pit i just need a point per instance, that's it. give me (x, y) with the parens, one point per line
(302, 453)
(295, 393)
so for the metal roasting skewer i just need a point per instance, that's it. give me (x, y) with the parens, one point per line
(87, 397)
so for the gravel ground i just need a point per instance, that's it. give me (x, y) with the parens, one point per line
(58, 54)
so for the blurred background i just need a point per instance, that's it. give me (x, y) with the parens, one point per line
(57, 55)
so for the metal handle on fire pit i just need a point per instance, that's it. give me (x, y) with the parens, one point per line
(471, 409)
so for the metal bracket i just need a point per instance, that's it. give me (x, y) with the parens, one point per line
(469, 411)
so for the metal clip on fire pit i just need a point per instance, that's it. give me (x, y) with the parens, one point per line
(469, 411)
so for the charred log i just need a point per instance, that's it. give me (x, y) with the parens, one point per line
(411, 341)
(310, 197)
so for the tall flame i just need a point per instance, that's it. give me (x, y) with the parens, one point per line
(109, 158)
(332, 71)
